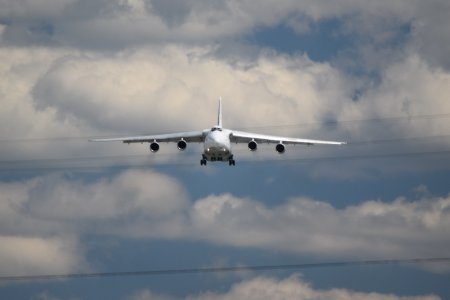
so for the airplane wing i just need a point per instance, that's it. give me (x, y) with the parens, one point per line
(245, 137)
(189, 136)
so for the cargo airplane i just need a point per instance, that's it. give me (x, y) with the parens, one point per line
(217, 141)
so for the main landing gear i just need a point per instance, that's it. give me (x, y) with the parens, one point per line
(231, 161)
(203, 160)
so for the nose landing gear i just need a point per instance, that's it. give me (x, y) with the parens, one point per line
(231, 161)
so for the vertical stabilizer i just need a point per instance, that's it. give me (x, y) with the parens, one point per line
(219, 116)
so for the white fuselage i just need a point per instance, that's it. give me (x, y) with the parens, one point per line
(217, 145)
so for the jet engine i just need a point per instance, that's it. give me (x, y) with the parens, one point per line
(252, 145)
(154, 147)
(181, 145)
(280, 148)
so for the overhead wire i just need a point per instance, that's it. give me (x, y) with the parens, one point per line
(372, 120)
(10, 165)
(45, 164)
(145, 156)
(7, 165)
(326, 123)
(160, 272)
(36, 163)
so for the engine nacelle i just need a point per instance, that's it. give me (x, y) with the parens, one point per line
(181, 145)
(154, 147)
(252, 145)
(280, 148)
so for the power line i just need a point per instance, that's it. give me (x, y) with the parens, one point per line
(9, 166)
(138, 156)
(161, 272)
(327, 123)
(398, 140)
(372, 120)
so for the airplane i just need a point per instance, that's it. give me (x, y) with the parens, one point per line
(217, 141)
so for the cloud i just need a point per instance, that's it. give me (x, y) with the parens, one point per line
(146, 205)
(69, 93)
(42, 219)
(148, 295)
(105, 91)
(81, 68)
(381, 32)
(53, 92)
(28, 255)
(54, 204)
(122, 23)
(66, 93)
(428, 35)
(306, 226)
(293, 287)
(26, 10)
(409, 87)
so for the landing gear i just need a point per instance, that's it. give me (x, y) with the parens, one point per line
(231, 161)
(203, 160)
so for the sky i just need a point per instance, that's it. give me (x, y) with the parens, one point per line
(373, 73)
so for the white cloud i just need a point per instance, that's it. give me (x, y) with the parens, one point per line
(66, 93)
(166, 78)
(62, 92)
(144, 204)
(150, 193)
(29, 255)
(56, 204)
(71, 92)
(42, 218)
(148, 295)
(292, 287)
(305, 226)
(106, 90)
(121, 92)
(409, 87)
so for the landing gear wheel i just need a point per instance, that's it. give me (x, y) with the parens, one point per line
(231, 161)
(203, 162)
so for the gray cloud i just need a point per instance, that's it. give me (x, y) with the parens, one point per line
(77, 67)
(121, 24)
(41, 219)
(32, 10)
(144, 204)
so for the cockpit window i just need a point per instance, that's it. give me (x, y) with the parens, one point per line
(216, 128)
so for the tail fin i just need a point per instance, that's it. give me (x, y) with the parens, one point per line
(219, 116)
